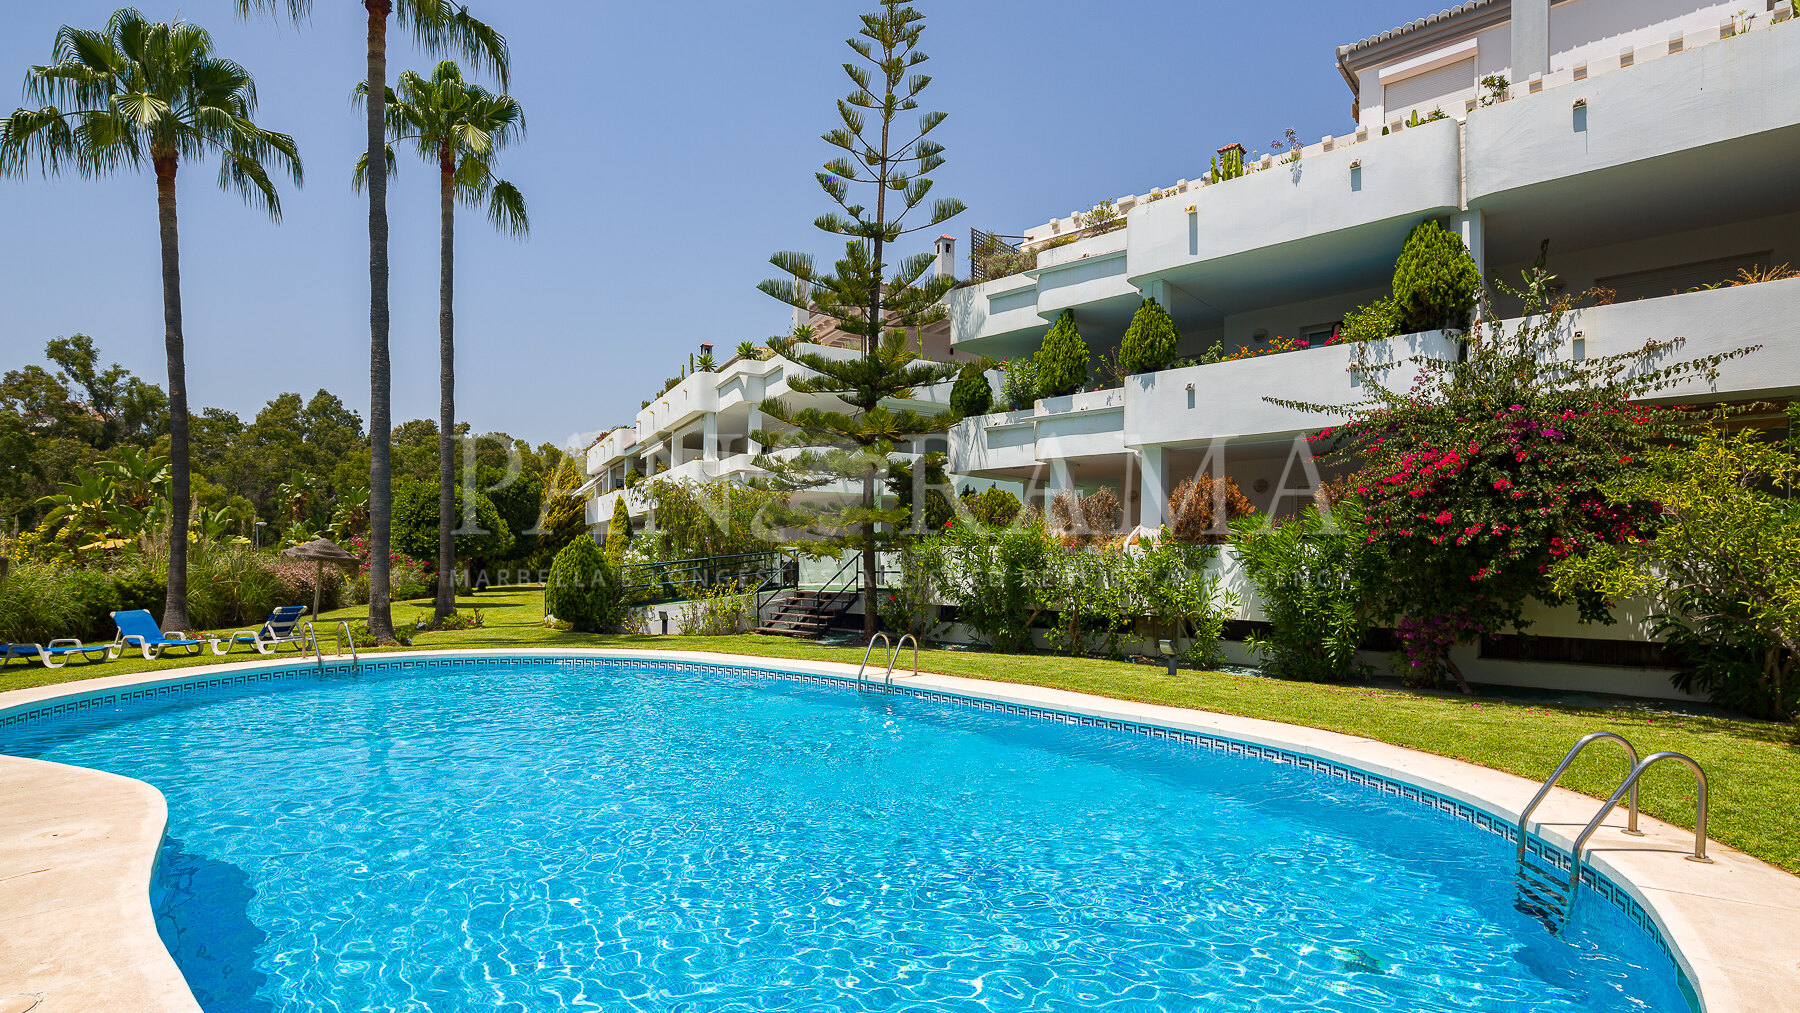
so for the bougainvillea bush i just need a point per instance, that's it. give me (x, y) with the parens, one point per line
(1486, 471)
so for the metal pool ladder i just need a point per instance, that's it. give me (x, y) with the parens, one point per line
(893, 656)
(344, 636)
(1540, 890)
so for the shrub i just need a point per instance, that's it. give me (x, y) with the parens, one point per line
(618, 533)
(701, 519)
(1193, 509)
(1081, 518)
(1373, 322)
(991, 579)
(1062, 360)
(994, 507)
(415, 524)
(36, 606)
(294, 581)
(1020, 387)
(1315, 585)
(972, 395)
(1435, 280)
(1149, 343)
(1165, 591)
(1722, 567)
(584, 589)
(718, 612)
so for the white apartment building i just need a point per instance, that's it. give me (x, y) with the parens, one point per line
(1653, 143)
(701, 429)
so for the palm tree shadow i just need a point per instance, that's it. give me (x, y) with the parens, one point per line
(203, 917)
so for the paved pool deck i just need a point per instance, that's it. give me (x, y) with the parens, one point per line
(77, 846)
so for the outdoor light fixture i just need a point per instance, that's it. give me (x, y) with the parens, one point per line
(1167, 647)
(664, 616)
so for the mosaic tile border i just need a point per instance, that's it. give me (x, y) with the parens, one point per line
(1547, 853)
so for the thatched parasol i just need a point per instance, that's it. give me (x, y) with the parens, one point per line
(321, 551)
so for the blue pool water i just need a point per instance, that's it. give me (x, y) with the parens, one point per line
(630, 837)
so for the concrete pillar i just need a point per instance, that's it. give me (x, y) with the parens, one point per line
(1158, 290)
(1530, 39)
(1470, 227)
(754, 421)
(1060, 482)
(1153, 487)
(709, 439)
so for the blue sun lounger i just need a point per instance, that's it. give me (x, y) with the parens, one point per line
(276, 630)
(138, 629)
(56, 654)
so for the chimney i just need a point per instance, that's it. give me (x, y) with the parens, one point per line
(946, 257)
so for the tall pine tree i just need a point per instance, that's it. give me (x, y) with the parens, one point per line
(868, 296)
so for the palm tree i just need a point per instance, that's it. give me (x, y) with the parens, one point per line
(439, 26)
(461, 128)
(135, 92)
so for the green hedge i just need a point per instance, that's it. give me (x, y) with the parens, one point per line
(227, 588)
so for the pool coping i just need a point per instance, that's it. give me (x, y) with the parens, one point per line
(83, 842)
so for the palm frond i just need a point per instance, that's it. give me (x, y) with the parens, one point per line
(506, 210)
(441, 26)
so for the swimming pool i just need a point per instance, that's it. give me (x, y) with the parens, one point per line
(526, 835)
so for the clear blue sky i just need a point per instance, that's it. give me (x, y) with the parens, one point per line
(670, 152)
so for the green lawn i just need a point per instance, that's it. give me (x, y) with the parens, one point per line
(1753, 765)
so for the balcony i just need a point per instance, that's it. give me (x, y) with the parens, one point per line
(1330, 221)
(618, 446)
(1713, 321)
(1694, 131)
(1085, 425)
(1224, 400)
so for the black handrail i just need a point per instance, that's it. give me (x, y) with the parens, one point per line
(670, 580)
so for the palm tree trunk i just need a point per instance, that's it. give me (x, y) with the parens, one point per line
(381, 492)
(175, 615)
(446, 595)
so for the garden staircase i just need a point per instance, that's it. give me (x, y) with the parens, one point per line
(811, 612)
(807, 614)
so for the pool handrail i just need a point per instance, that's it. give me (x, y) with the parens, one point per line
(1700, 808)
(344, 636)
(894, 657)
(1586, 740)
(871, 649)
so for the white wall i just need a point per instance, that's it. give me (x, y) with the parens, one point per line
(1592, 31)
(1713, 96)
(1406, 175)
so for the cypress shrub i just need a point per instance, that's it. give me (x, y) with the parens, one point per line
(1149, 343)
(972, 394)
(584, 588)
(618, 533)
(1062, 360)
(1435, 280)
